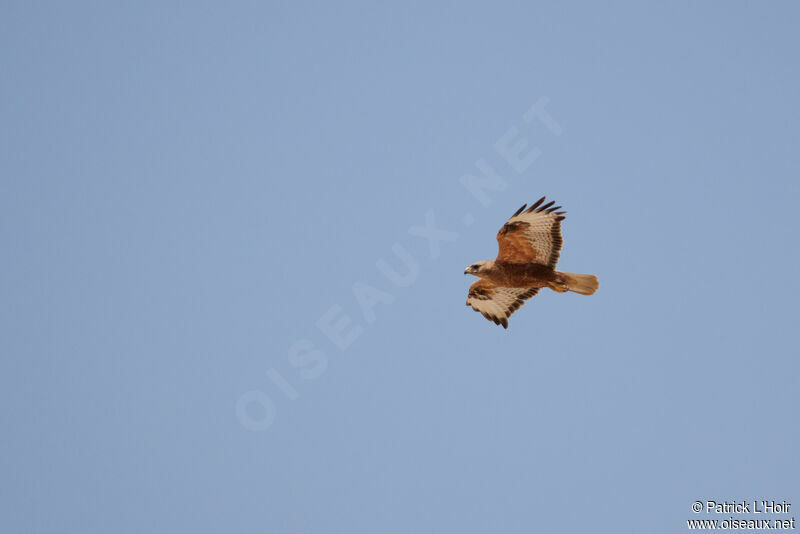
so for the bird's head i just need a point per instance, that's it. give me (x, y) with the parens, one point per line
(478, 268)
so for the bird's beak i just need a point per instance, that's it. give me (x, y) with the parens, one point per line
(467, 271)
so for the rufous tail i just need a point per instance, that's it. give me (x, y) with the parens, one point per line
(585, 284)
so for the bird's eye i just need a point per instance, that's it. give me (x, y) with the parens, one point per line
(473, 268)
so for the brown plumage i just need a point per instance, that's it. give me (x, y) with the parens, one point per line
(529, 248)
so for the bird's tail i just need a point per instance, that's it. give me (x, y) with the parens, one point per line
(585, 284)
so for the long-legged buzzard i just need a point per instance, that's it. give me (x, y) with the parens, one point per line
(530, 244)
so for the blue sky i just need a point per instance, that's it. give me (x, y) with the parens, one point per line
(189, 192)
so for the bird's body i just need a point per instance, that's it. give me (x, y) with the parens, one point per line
(509, 274)
(530, 245)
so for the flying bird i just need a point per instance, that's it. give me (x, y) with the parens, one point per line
(530, 244)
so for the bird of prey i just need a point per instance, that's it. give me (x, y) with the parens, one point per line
(530, 244)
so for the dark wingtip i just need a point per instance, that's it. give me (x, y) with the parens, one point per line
(546, 205)
(519, 210)
(535, 204)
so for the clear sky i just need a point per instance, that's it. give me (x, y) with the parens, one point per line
(233, 239)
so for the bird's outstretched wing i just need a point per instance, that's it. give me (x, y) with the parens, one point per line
(497, 303)
(532, 235)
